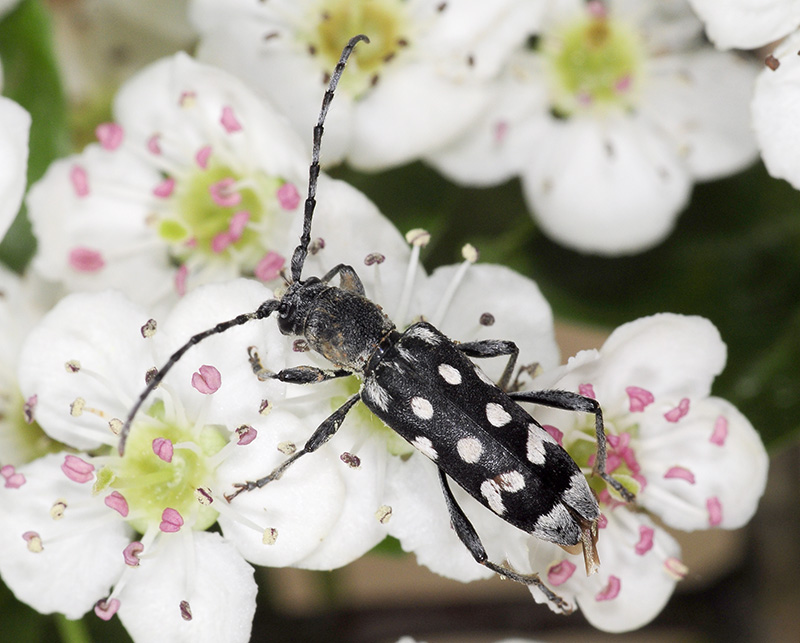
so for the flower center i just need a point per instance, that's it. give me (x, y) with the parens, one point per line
(384, 22)
(594, 63)
(220, 215)
(621, 462)
(151, 483)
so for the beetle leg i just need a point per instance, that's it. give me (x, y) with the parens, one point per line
(321, 435)
(467, 534)
(569, 401)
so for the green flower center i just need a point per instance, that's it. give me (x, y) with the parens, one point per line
(150, 484)
(621, 461)
(219, 214)
(594, 62)
(384, 22)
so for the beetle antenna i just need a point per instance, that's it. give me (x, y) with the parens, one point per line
(300, 253)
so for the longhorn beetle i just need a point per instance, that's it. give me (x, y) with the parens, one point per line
(425, 387)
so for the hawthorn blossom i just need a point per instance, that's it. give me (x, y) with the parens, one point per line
(680, 449)
(419, 84)
(196, 181)
(613, 115)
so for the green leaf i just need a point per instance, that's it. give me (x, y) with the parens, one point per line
(31, 78)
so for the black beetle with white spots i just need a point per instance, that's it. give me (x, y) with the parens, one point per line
(425, 387)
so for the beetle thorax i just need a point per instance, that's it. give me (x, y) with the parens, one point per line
(345, 328)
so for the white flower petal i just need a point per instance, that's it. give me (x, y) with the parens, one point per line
(201, 569)
(498, 145)
(303, 506)
(671, 356)
(721, 451)
(633, 584)
(421, 522)
(411, 112)
(82, 552)
(747, 24)
(358, 529)
(701, 101)
(610, 188)
(774, 106)
(97, 331)
(16, 124)
(239, 397)
(64, 221)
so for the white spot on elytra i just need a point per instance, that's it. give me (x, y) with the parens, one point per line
(497, 415)
(491, 491)
(425, 446)
(450, 374)
(536, 453)
(469, 449)
(511, 481)
(422, 408)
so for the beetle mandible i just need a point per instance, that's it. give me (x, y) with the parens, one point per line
(425, 387)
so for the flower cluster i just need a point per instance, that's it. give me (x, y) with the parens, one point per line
(608, 119)
(185, 213)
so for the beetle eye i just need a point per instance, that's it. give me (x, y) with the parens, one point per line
(285, 310)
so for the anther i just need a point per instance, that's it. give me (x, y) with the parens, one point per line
(34, 541)
(270, 536)
(374, 258)
(72, 366)
(287, 448)
(383, 514)
(203, 496)
(487, 319)
(29, 408)
(351, 460)
(186, 611)
(418, 237)
(58, 509)
(149, 328)
(316, 245)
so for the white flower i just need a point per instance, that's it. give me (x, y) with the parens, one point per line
(15, 124)
(418, 85)
(747, 24)
(683, 452)
(609, 121)
(774, 111)
(82, 367)
(196, 181)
